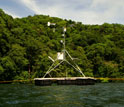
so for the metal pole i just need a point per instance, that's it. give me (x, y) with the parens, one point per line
(64, 40)
(75, 63)
(53, 68)
(64, 44)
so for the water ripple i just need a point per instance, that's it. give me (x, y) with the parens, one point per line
(99, 95)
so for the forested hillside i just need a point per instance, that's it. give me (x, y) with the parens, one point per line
(26, 43)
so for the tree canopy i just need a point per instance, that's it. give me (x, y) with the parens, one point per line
(25, 44)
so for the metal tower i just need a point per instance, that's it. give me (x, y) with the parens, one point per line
(61, 56)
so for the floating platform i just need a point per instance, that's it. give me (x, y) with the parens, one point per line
(65, 81)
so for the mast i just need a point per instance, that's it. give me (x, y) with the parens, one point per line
(61, 56)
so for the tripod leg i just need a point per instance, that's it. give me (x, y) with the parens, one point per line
(52, 69)
(48, 69)
(75, 68)
(55, 66)
(68, 54)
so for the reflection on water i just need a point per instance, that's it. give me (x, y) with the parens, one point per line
(99, 95)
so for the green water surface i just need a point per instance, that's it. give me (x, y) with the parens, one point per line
(98, 95)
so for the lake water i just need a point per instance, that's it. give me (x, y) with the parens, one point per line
(98, 95)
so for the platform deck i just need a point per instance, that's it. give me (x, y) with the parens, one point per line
(65, 81)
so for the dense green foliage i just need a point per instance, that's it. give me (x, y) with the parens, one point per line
(25, 44)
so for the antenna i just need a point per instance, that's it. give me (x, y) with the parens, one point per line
(64, 30)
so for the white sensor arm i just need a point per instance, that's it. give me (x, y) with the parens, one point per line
(51, 58)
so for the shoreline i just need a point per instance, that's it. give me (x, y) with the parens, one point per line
(98, 80)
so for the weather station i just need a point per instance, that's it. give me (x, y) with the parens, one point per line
(61, 57)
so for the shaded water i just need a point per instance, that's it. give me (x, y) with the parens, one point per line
(98, 95)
